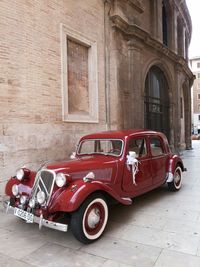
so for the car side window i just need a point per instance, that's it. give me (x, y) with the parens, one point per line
(156, 147)
(138, 145)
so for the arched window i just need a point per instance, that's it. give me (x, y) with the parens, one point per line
(157, 101)
(164, 24)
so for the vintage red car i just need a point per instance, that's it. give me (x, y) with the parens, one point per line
(107, 166)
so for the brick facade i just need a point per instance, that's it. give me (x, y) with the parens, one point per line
(195, 67)
(128, 38)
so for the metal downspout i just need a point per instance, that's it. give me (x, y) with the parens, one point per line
(107, 8)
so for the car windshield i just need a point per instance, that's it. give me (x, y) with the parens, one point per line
(101, 146)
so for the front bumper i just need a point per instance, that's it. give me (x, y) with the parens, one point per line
(39, 220)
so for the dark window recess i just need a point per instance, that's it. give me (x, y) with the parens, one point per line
(139, 146)
(156, 147)
(164, 24)
(199, 117)
(157, 102)
(181, 107)
(78, 79)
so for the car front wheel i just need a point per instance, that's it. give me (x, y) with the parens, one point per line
(175, 185)
(89, 221)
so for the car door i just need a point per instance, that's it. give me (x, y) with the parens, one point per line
(158, 160)
(143, 178)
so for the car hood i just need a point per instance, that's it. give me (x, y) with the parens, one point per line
(103, 167)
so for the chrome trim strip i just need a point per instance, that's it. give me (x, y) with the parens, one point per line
(100, 139)
(40, 221)
(169, 177)
(53, 225)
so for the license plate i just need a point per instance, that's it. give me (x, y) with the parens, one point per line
(27, 216)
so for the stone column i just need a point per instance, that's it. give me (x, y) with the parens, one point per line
(154, 19)
(177, 109)
(173, 29)
(128, 103)
(135, 108)
(116, 82)
(183, 44)
(107, 8)
(186, 46)
(159, 21)
(187, 96)
(180, 37)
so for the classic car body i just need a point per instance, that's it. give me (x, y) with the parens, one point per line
(107, 166)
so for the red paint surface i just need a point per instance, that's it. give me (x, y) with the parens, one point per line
(112, 176)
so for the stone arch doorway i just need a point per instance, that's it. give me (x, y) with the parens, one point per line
(156, 102)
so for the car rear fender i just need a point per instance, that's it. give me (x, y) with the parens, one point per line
(72, 197)
(174, 162)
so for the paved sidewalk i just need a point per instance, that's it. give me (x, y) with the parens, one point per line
(161, 229)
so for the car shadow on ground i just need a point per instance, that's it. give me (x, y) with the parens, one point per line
(147, 201)
(118, 214)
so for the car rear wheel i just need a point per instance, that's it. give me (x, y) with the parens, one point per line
(175, 185)
(89, 221)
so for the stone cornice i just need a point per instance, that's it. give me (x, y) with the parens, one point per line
(145, 38)
(181, 6)
(136, 5)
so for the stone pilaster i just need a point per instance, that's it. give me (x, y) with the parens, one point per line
(187, 93)
(177, 109)
(135, 108)
(173, 28)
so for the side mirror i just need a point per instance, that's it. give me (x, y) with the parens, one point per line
(73, 155)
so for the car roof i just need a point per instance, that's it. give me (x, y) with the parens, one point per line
(121, 134)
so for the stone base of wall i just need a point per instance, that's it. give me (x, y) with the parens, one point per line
(35, 144)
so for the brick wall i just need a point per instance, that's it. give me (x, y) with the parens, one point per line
(31, 126)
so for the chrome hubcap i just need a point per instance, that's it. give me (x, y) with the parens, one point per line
(177, 178)
(93, 218)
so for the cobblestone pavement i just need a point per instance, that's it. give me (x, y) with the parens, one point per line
(161, 229)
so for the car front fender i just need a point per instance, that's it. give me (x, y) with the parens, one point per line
(72, 197)
(24, 186)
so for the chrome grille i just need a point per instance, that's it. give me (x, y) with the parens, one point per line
(45, 180)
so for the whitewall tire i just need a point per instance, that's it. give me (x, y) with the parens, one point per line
(175, 185)
(89, 221)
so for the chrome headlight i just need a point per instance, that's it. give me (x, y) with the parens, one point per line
(15, 190)
(40, 197)
(60, 179)
(32, 202)
(23, 199)
(20, 174)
